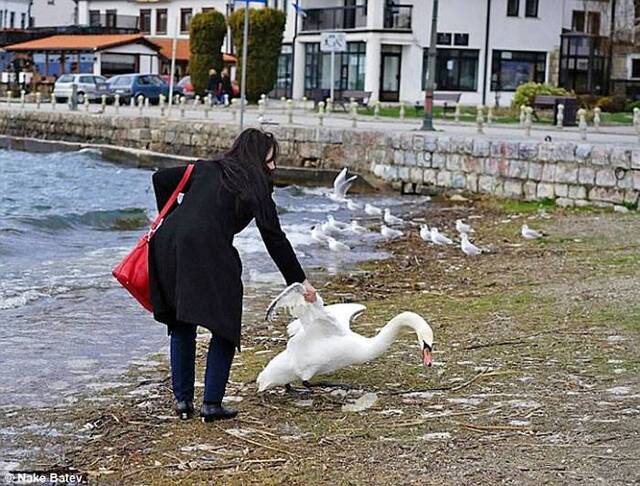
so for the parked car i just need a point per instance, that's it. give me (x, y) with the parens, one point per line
(133, 85)
(89, 86)
(187, 87)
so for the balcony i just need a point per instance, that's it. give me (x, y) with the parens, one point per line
(335, 18)
(113, 21)
(398, 17)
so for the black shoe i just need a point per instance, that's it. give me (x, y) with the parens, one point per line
(215, 411)
(184, 409)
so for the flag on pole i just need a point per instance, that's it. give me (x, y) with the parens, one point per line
(302, 12)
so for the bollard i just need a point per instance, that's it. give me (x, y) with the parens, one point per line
(23, 96)
(103, 103)
(597, 118)
(161, 104)
(290, 111)
(354, 114)
(209, 100)
(329, 105)
(480, 119)
(490, 115)
(458, 113)
(207, 105)
(321, 113)
(402, 113)
(116, 103)
(636, 120)
(528, 120)
(523, 116)
(9, 96)
(560, 117)
(146, 103)
(226, 100)
(283, 102)
(261, 108)
(582, 124)
(196, 102)
(132, 102)
(86, 104)
(234, 112)
(183, 102)
(376, 110)
(140, 104)
(263, 98)
(305, 106)
(53, 102)
(38, 100)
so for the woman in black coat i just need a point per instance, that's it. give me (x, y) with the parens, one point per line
(194, 270)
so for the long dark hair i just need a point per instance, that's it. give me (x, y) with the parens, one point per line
(244, 166)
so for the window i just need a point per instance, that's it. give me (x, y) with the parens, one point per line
(461, 39)
(443, 39)
(161, 21)
(145, 21)
(510, 69)
(634, 68)
(456, 69)
(65, 78)
(349, 67)
(283, 78)
(185, 19)
(592, 25)
(51, 2)
(531, 8)
(513, 8)
(111, 18)
(208, 9)
(94, 18)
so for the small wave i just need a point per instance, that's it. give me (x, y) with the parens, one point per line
(19, 300)
(117, 219)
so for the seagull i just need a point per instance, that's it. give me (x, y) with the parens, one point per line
(353, 206)
(372, 210)
(389, 233)
(438, 238)
(318, 235)
(425, 234)
(334, 226)
(463, 227)
(530, 234)
(357, 227)
(467, 247)
(391, 219)
(341, 185)
(336, 245)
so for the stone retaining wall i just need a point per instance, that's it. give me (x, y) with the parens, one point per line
(570, 173)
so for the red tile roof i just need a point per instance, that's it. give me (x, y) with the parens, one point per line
(76, 42)
(183, 52)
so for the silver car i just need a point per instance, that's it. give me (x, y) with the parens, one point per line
(89, 86)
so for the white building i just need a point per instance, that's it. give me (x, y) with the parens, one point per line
(14, 14)
(49, 13)
(485, 47)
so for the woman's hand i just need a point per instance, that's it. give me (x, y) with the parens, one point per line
(310, 294)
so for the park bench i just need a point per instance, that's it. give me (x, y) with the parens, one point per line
(549, 102)
(343, 98)
(447, 100)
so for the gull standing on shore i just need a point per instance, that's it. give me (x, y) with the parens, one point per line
(467, 247)
(438, 238)
(318, 235)
(353, 206)
(372, 210)
(463, 227)
(391, 219)
(341, 186)
(357, 228)
(389, 233)
(530, 234)
(335, 245)
(425, 233)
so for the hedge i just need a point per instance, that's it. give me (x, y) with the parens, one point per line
(527, 92)
(266, 28)
(206, 36)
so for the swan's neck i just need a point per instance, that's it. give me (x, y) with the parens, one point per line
(378, 344)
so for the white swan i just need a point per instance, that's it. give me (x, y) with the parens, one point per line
(341, 185)
(322, 342)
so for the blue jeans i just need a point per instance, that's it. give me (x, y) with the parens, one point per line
(183, 364)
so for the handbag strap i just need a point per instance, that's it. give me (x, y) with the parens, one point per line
(170, 202)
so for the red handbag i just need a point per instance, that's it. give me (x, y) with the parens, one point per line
(133, 270)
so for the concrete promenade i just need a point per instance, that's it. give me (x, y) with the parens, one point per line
(275, 115)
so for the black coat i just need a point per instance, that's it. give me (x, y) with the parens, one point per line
(213, 83)
(194, 270)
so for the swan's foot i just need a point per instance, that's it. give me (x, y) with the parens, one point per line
(326, 384)
(295, 391)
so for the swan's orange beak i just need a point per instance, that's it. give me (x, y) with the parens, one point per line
(426, 357)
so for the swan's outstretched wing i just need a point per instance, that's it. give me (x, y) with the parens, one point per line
(312, 317)
(344, 314)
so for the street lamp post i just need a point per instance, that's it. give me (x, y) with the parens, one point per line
(430, 85)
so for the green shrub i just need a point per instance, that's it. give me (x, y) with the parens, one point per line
(206, 36)
(266, 27)
(527, 92)
(612, 104)
(631, 105)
